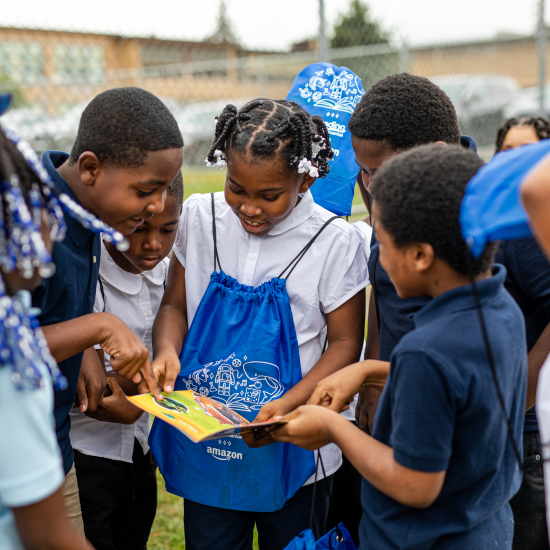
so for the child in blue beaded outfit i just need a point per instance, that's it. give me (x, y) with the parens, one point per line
(32, 513)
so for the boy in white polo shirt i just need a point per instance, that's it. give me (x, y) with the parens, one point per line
(116, 475)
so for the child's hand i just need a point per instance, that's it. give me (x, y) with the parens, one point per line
(366, 408)
(91, 385)
(166, 368)
(129, 355)
(115, 407)
(261, 438)
(337, 390)
(310, 427)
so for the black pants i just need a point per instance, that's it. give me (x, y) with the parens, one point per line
(209, 528)
(345, 505)
(528, 506)
(118, 499)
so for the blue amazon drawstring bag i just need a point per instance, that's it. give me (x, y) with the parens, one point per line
(332, 92)
(492, 209)
(338, 538)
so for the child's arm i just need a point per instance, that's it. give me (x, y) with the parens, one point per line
(419, 414)
(345, 329)
(535, 194)
(170, 327)
(128, 354)
(312, 427)
(45, 525)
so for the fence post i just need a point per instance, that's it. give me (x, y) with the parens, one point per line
(404, 57)
(541, 43)
(324, 53)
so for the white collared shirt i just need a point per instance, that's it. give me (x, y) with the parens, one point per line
(135, 299)
(331, 272)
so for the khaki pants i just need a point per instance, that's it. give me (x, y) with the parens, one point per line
(72, 501)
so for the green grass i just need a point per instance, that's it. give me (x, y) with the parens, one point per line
(167, 532)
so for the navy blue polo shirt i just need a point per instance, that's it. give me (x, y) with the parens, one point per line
(395, 312)
(68, 294)
(440, 411)
(528, 281)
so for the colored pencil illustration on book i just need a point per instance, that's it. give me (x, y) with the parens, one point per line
(198, 417)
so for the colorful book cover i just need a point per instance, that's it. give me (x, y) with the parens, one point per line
(199, 418)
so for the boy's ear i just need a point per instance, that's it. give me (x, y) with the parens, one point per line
(424, 257)
(88, 167)
(307, 182)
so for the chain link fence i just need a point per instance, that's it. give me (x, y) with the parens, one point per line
(53, 74)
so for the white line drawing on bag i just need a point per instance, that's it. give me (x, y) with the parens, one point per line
(242, 387)
(337, 92)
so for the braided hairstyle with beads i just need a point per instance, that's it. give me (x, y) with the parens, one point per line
(266, 128)
(539, 124)
(24, 194)
(11, 161)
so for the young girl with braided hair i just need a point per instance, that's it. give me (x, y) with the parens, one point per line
(288, 283)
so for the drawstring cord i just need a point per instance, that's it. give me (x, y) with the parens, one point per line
(339, 535)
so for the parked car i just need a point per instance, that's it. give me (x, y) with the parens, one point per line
(480, 101)
(527, 104)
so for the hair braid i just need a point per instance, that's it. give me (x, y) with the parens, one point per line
(326, 152)
(268, 128)
(224, 124)
(306, 137)
(539, 124)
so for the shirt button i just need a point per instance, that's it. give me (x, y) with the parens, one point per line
(252, 256)
(148, 313)
(537, 457)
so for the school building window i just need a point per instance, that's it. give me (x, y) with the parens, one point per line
(21, 62)
(79, 63)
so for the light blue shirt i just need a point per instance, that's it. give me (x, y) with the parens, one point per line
(30, 460)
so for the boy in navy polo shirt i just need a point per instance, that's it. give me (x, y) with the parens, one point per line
(399, 112)
(127, 152)
(439, 468)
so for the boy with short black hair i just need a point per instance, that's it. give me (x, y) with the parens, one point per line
(399, 112)
(439, 469)
(128, 151)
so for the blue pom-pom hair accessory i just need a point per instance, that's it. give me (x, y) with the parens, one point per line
(22, 343)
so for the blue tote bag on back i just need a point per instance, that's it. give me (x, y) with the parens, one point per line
(241, 349)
